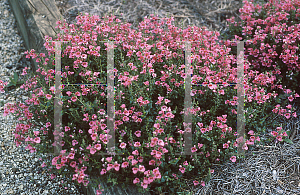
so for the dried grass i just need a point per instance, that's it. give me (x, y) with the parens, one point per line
(211, 14)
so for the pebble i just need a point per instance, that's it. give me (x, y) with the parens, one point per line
(20, 171)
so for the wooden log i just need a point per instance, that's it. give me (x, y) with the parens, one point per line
(35, 19)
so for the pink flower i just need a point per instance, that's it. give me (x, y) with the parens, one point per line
(200, 124)
(93, 150)
(73, 164)
(144, 185)
(207, 154)
(274, 133)
(138, 133)
(200, 145)
(290, 98)
(157, 125)
(146, 83)
(109, 159)
(233, 158)
(136, 180)
(48, 96)
(294, 114)
(257, 139)
(98, 146)
(152, 162)
(67, 128)
(94, 136)
(117, 166)
(109, 167)
(196, 182)
(245, 147)
(137, 144)
(103, 171)
(37, 140)
(74, 142)
(194, 149)
(160, 142)
(36, 133)
(69, 93)
(125, 118)
(140, 159)
(141, 168)
(123, 145)
(135, 170)
(125, 164)
(53, 176)
(74, 98)
(136, 152)
(287, 115)
(251, 132)
(71, 156)
(48, 124)
(203, 183)
(279, 138)
(225, 145)
(134, 162)
(182, 169)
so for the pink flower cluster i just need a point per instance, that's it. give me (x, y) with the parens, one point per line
(159, 145)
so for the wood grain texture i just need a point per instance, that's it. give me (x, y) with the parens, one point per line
(36, 19)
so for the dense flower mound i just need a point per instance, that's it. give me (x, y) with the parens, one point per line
(272, 36)
(149, 78)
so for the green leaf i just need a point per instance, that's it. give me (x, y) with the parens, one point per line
(288, 141)
(174, 161)
(15, 77)
(8, 85)
(163, 179)
(20, 82)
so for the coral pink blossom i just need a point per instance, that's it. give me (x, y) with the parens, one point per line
(233, 158)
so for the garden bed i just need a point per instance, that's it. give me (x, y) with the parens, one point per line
(29, 18)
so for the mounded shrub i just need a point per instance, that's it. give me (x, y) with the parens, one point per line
(271, 35)
(149, 103)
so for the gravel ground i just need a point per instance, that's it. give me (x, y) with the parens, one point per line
(20, 171)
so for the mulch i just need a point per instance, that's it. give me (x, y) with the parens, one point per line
(269, 169)
(211, 14)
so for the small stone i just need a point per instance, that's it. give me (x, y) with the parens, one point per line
(9, 66)
(15, 169)
(10, 191)
(21, 187)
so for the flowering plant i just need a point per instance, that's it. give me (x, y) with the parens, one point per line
(271, 38)
(271, 33)
(149, 104)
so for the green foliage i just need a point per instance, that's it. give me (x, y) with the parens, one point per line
(14, 82)
(79, 108)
